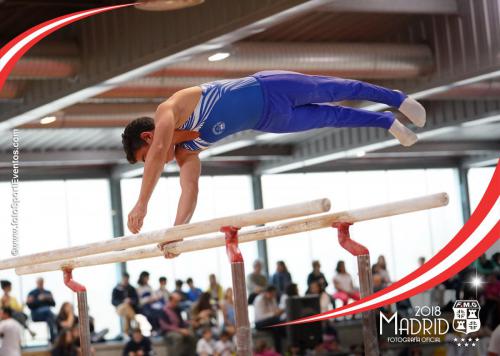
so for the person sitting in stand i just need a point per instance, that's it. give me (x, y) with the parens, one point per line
(66, 318)
(344, 285)
(194, 292)
(125, 299)
(316, 276)
(202, 314)
(206, 344)
(40, 302)
(10, 301)
(180, 340)
(256, 281)
(139, 345)
(162, 292)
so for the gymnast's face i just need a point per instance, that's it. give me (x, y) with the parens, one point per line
(141, 153)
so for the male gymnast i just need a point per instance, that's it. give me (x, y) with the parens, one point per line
(272, 101)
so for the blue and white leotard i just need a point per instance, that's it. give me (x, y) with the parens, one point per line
(280, 102)
(225, 107)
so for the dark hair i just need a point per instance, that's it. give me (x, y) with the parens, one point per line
(5, 284)
(162, 279)
(339, 263)
(270, 289)
(63, 315)
(131, 136)
(292, 290)
(136, 330)
(179, 283)
(7, 310)
(189, 280)
(125, 275)
(203, 303)
(282, 264)
(142, 276)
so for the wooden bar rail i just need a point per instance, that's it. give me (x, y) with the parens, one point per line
(253, 234)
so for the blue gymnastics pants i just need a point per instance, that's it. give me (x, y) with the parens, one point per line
(295, 102)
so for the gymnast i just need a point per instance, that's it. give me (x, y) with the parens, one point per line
(271, 101)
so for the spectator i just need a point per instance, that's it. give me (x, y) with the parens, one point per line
(316, 276)
(66, 318)
(215, 290)
(162, 293)
(149, 303)
(193, 293)
(65, 344)
(40, 301)
(225, 347)
(344, 285)
(325, 301)
(206, 345)
(490, 311)
(494, 347)
(202, 313)
(383, 270)
(10, 333)
(268, 313)
(256, 281)
(17, 309)
(484, 266)
(262, 349)
(291, 291)
(496, 262)
(228, 312)
(281, 278)
(421, 261)
(180, 340)
(125, 299)
(139, 345)
(178, 289)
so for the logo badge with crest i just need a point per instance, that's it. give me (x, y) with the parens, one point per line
(466, 318)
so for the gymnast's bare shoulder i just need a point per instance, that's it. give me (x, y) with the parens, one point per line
(183, 103)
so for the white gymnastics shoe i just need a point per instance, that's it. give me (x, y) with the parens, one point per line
(414, 111)
(403, 134)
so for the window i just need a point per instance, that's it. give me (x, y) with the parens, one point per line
(400, 238)
(218, 196)
(58, 214)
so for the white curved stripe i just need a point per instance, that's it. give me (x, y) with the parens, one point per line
(18, 46)
(473, 240)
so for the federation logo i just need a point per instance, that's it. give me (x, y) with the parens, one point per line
(219, 128)
(466, 318)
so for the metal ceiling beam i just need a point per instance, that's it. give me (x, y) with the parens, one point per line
(448, 7)
(443, 147)
(336, 144)
(377, 164)
(64, 158)
(487, 160)
(127, 44)
(465, 52)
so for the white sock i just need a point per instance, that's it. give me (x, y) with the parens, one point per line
(414, 111)
(404, 135)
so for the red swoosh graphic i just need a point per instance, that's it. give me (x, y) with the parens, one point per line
(13, 51)
(484, 207)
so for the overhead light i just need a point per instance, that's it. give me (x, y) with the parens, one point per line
(48, 120)
(360, 153)
(219, 56)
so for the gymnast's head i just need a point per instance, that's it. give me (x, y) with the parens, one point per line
(137, 138)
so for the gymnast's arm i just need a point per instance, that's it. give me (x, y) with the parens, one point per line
(190, 170)
(165, 118)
